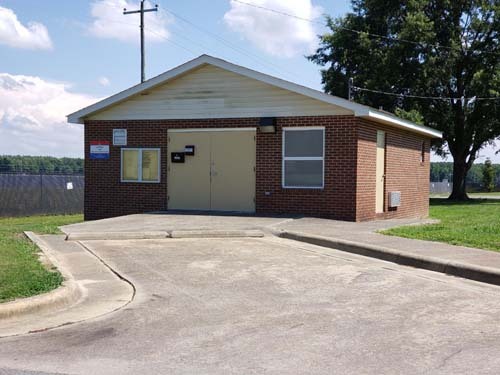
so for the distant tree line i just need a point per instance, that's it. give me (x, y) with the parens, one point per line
(48, 165)
(444, 170)
(40, 164)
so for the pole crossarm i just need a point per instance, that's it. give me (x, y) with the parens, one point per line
(138, 11)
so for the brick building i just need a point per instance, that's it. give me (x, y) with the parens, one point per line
(213, 136)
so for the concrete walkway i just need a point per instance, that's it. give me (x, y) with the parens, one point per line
(102, 291)
(270, 306)
(364, 235)
(360, 238)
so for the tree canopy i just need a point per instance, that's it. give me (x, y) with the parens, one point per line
(431, 61)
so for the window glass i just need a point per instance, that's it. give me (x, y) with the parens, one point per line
(130, 165)
(304, 173)
(304, 143)
(150, 165)
(303, 158)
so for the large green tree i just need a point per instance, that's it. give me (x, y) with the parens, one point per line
(431, 48)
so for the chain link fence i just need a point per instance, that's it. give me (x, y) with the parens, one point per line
(24, 194)
(443, 187)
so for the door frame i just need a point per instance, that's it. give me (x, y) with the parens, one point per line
(384, 148)
(193, 130)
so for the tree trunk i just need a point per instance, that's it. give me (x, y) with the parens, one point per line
(460, 169)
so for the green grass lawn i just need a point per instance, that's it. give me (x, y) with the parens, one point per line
(475, 224)
(471, 195)
(21, 274)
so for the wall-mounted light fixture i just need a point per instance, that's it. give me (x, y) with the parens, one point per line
(267, 124)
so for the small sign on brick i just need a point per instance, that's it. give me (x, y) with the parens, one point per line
(99, 149)
(119, 137)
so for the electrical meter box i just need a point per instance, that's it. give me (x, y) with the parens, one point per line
(394, 199)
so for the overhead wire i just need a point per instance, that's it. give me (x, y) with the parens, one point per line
(357, 88)
(154, 32)
(359, 32)
(277, 68)
(175, 43)
(234, 47)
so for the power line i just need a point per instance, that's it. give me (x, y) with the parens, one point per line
(234, 47)
(359, 32)
(275, 67)
(194, 53)
(475, 98)
(154, 32)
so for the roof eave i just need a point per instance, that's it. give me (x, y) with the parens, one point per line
(359, 110)
(400, 123)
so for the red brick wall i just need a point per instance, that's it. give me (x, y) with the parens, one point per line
(106, 196)
(403, 170)
(337, 199)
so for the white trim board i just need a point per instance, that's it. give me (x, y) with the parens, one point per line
(358, 109)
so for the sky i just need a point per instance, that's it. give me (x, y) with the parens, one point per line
(59, 56)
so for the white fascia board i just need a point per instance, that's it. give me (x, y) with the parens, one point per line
(400, 123)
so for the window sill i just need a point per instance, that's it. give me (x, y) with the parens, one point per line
(304, 187)
(139, 182)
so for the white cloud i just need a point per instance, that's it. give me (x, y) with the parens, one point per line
(110, 22)
(33, 117)
(104, 81)
(14, 34)
(276, 34)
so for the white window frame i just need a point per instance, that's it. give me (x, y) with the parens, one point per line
(301, 158)
(139, 166)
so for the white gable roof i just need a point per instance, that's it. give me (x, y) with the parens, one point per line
(358, 109)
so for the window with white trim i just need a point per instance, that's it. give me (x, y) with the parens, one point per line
(140, 165)
(303, 157)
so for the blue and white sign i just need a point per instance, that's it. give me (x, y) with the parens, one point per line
(99, 149)
(119, 137)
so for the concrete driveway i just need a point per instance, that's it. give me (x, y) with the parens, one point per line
(270, 305)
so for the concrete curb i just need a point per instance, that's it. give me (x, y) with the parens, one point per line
(67, 294)
(86, 236)
(215, 233)
(468, 271)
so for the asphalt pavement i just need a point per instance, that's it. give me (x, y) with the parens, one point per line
(270, 305)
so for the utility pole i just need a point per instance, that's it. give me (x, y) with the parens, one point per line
(350, 93)
(141, 11)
